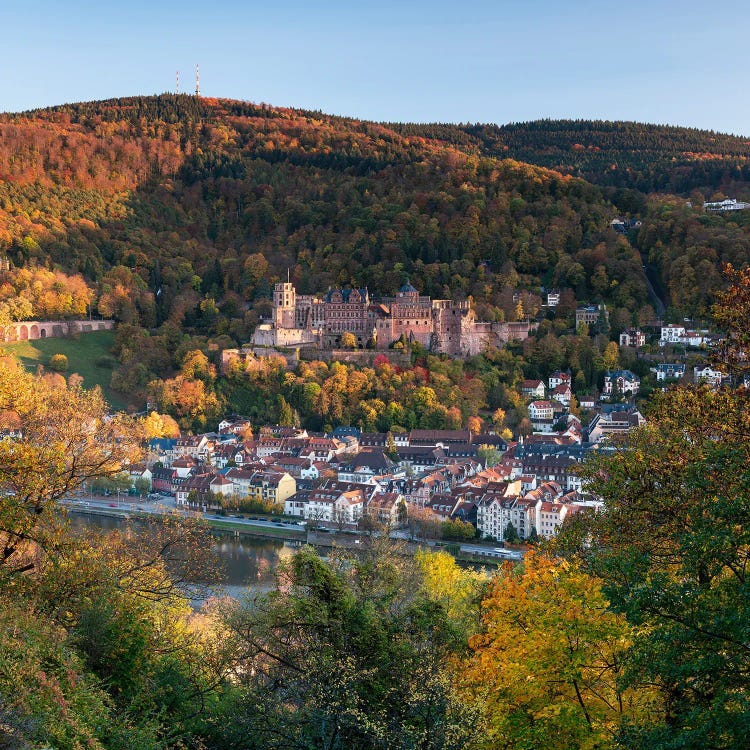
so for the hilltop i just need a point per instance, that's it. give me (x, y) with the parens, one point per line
(202, 197)
(619, 154)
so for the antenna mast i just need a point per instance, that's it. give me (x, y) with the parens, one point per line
(197, 81)
(177, 77)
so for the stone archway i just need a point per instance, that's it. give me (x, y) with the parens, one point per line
(23, 333)
(34, 331)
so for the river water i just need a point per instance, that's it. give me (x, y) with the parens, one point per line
(248, 564)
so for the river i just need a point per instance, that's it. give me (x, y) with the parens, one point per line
(248, 564)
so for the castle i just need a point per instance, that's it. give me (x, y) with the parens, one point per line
(442, 326)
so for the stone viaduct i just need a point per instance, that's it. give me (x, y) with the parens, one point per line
(29, 330)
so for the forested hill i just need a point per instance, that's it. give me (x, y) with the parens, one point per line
(209, 200)
(620, 154)
(184, 210)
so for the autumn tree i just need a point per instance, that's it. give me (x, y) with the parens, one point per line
(732, 314)
(459, 590)
(66, 438)
(191, 402)
(611, 356)
(348, 341)
(546, 664)
(58, 362)
(498, 418)
(157, 425)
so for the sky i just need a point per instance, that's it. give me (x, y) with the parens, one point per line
(680, 63)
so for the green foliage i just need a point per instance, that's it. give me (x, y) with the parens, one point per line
(489, 455)
(671, 549)
(628, 156)
(510, 534)
(255, 505)
(364, 669)
(58, 363)
(457, 529)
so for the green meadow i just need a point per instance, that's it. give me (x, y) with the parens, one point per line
(82, 352)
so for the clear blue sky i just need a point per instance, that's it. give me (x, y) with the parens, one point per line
(684, 63)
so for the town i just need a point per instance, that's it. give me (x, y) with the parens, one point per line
(472, 483)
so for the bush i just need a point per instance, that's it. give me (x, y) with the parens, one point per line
(457, 530)
(106, 361)
(58, 363)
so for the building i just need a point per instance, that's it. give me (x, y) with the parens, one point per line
(729, 204)
(559, 378)
(671, 334)
(562, 393)
(628, 383)
(613, 422)
(633, 337)
(436, 438)
(623, 226)
(388, 509)
(707, 374)
(447, 326)
(590, 314)
(669, 371)
(365, 467)
(533, 389)
(347, 311)
(335, 502)
(541, 410)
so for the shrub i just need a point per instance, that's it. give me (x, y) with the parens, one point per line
(58, 363)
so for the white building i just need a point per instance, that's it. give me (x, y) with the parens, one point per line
(671, 334)
(707, 374)
(729, 204)
(628, 383)
(671, 371)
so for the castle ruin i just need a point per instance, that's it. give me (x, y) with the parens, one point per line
(441, 326)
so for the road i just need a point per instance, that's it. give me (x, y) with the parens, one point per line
(659, 306)
(167, 506)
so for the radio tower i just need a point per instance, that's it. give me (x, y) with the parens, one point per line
(197, 81)
(177, 76)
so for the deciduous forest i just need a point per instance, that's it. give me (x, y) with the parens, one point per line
(175, 215)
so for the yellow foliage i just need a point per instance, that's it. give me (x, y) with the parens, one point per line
(546, 663)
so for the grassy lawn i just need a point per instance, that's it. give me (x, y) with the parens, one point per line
(82, 353)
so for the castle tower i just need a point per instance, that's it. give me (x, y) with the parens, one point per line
(284, 304)
(408, 293)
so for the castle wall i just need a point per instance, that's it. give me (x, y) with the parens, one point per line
(346, 311)
(30, 330)
(444, 326)
(412, 318)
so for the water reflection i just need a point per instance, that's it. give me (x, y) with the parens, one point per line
(248, 564)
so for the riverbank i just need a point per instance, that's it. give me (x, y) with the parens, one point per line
(292, 532)
(260, 529)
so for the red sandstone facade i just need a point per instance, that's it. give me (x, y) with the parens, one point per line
(445, 326)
